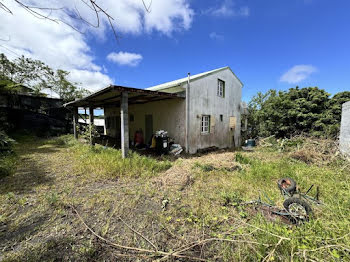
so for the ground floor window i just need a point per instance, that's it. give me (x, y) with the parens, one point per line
(205, 126)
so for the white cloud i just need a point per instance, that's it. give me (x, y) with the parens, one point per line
(60, 46)
(125, 58)
(228, 8)
(216, 36)
(90, 80)
(298, 73)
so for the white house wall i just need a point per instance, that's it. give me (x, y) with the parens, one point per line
(205, 101)
(167, 115)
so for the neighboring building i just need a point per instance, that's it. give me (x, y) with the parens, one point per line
(198, 111)
(344, 140)
(38, 114)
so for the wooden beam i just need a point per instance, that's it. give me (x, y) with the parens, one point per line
(75, 122)
(91, 122)
(124, 124)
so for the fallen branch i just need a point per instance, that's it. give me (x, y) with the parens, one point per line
(141, 250)
(269, 256)
(205, 241)
(138, 233)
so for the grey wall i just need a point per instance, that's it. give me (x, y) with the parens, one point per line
(345, 129)
(204, 101)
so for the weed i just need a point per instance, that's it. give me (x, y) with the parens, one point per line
(8, 163)
(209, 208)
(243, 159)
(52, 198)
(204, 167)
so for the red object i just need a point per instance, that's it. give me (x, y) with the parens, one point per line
(138, 137)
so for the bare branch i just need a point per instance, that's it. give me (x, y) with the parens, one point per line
(97, 9)
(148, 8)
(4, 7)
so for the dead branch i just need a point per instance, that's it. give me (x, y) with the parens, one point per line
(96, 8)
(205, 241)
(269, 256)
(138, 233)
(136, 249)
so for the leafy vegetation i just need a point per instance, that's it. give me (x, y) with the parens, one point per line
(25, 75)
(7, 157)
(195, 208)
(296, 111)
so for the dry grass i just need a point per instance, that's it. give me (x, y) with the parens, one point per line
(192, 209)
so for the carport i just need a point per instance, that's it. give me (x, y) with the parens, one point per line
(116, 96)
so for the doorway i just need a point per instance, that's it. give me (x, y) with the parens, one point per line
(148, 128)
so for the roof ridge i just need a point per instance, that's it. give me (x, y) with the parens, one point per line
(179, 81)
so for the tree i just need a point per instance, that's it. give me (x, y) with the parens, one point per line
(286, 113)
(66, 90)
(332, 116)
(27, 72)
(17, 75)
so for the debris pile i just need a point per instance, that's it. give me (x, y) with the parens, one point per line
(175, 149)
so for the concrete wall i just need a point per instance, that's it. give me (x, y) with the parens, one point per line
(167, 115)
(205, 101)
(345, 129)
(170, 115)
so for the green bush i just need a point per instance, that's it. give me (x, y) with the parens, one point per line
(299, 110)
(5, 142)
(8, 162)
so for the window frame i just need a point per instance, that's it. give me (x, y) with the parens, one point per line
(205, 124)
(220, 92)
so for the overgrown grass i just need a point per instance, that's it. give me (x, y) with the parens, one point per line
(8, 162)
(210, 207)
(214, 203)
(104, 162)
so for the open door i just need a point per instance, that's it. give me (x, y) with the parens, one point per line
(148, 128)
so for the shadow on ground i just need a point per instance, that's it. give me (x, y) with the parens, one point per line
(29, 173)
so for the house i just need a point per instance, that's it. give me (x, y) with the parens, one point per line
(344, 139)
(198, 111)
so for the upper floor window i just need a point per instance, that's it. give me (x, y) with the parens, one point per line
(221, 88)
(205, 125)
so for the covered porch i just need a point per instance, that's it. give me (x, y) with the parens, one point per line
(119, 97)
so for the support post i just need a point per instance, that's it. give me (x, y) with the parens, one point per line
(91, 122)
(75, 122)
(187, 114)
(124, 124)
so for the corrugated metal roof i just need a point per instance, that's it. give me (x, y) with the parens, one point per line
(192, 77)
(111, 96)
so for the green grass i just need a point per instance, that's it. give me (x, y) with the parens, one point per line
(8, 162)
(104, 188)
(106, 162)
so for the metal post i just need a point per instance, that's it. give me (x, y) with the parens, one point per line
(187, 113)
(124, 124)
(75, 122)
(91, 122)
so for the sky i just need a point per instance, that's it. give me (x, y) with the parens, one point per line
(269, 44)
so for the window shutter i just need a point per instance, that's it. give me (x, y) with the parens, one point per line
(212, 123)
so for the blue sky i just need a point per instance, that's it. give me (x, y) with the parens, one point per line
(268, 44)
(259, 47)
